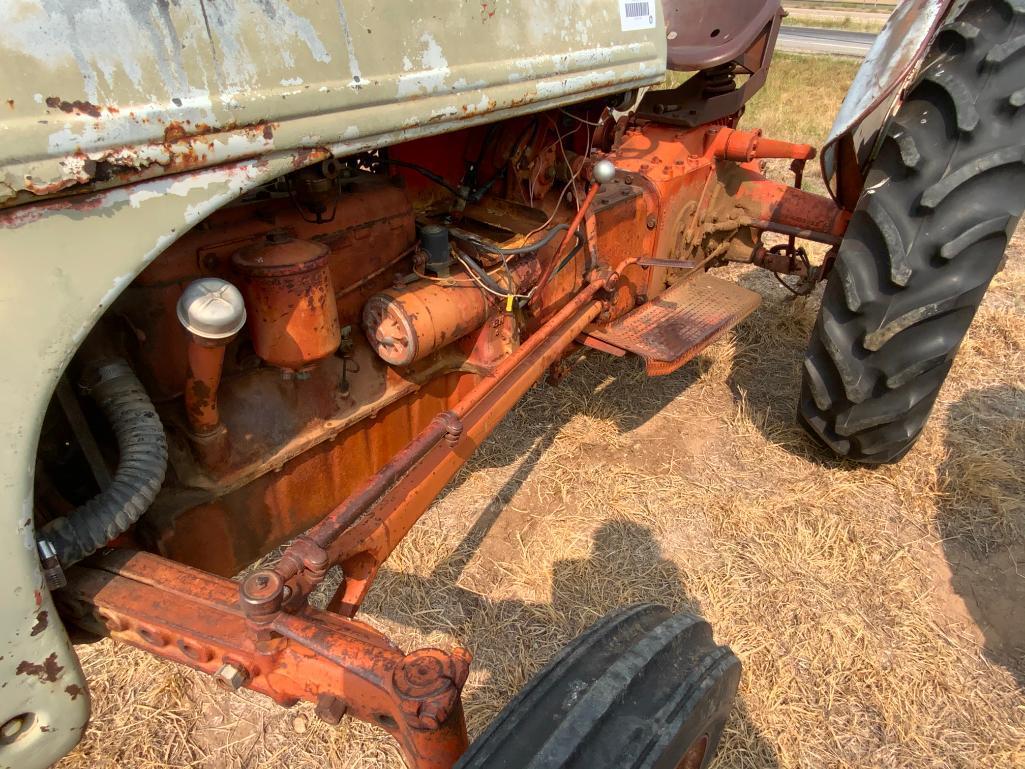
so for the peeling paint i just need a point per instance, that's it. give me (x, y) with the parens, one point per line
(41, 623)
(47, 670)
(98, 115)
(150, 38)
(432, 74)
(74, 691)
(548, 89)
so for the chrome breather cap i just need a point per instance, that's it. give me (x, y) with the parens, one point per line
(211, 308)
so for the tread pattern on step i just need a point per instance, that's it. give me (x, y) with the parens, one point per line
(671, 329)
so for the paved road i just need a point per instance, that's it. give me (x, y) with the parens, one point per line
(814, 40)
(821, 13)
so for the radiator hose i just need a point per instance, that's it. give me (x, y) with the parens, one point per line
(140, 472)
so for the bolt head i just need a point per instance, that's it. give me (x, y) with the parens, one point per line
(330, 709)
(261, 593)
(603, 172)
(231, 676)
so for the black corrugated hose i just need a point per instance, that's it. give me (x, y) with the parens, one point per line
(139, 475)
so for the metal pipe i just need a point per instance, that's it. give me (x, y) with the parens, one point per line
(564, 245)
(206, 362)
(212, 311)
(797, 232)
(351, 509)
(209, 437)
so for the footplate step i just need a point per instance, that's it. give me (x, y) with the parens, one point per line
(674, 327)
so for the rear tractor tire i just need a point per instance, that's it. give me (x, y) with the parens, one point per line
(941, 201)
(642, 689)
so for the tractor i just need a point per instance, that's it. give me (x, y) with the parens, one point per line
(274, 270)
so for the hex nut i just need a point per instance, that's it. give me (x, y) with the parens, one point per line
(330, 709)
(231, 676)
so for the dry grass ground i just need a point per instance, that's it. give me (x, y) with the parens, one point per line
(866, 604)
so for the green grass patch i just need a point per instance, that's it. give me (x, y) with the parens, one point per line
(841, 22)
(801, 96)
(798, 103)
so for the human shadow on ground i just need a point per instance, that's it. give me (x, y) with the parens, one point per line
(982, 517)
(627, 396)
(511, 639)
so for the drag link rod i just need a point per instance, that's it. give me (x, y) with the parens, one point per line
(797, 232)
(306, 561)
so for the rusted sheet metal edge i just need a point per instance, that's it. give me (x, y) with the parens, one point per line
(121, 230)
(183, 148)
(893, 60)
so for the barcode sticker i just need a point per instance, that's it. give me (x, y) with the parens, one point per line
(637, 14)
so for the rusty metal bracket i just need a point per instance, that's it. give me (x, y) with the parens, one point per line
(193, 618)
(712, 94)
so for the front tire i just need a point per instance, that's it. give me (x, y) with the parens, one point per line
(941, 202)
(642, 689)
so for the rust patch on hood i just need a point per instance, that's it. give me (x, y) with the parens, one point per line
(185, 147)
(73, 107)
(41, 623)
(48, 671)
(177, 130)
(74, 690)
(17, 217)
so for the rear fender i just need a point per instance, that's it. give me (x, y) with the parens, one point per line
(875, 93)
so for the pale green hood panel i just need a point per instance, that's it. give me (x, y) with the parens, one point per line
(104, 93)
(64, 262)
